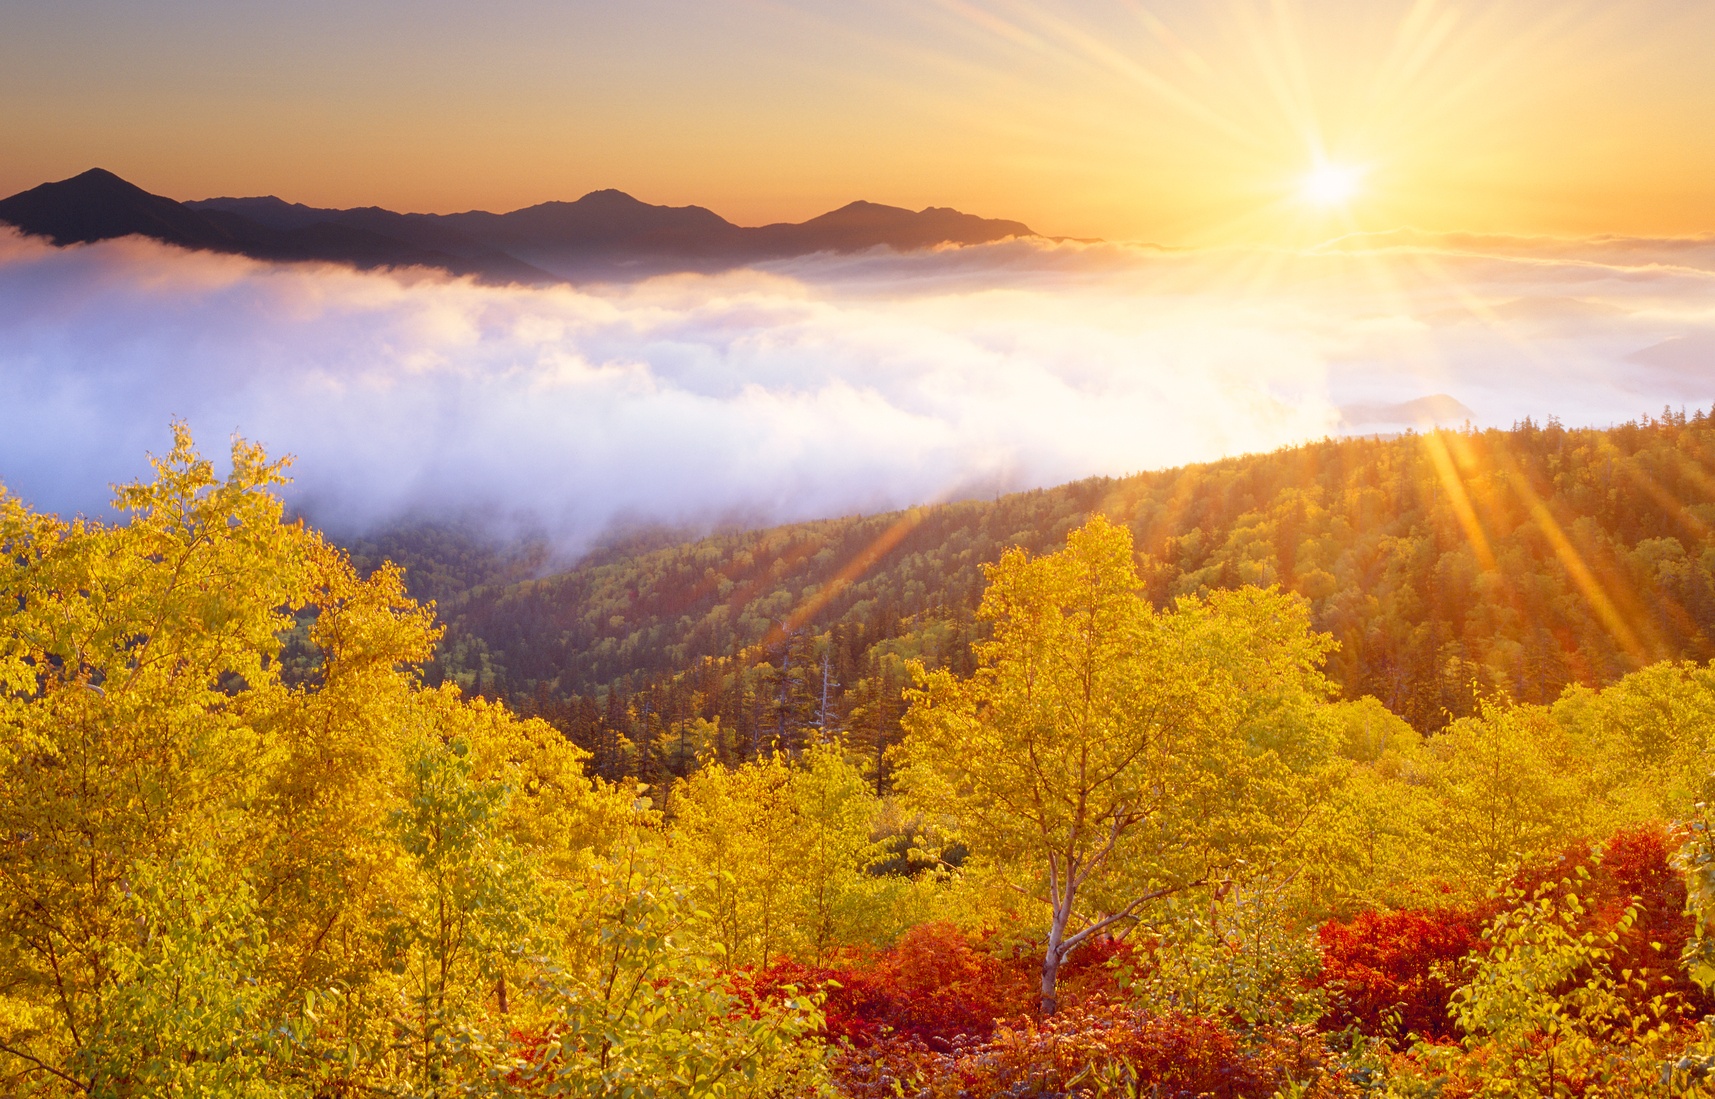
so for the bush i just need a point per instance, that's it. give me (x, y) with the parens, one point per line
(1394, 971)
(1105, 1049)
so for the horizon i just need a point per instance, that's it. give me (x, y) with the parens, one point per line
(1341, 236)
(1179, 124)
(1260, 224)
(191, 200)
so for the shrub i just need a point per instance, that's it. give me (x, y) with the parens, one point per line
(1394, 971)
(1104, 1049)
(933, 985)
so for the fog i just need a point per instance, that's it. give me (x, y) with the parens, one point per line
(820, 386)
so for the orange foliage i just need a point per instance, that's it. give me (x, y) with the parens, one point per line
(1396, 970)
(1169, 1056)
(1633, 867)
(937, 987)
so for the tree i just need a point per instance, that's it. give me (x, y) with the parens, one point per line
(836, 813)
(1510, 785)
(244, 851)
(1103, 756)
(776, 854)
(643, 1009)
(143, 712)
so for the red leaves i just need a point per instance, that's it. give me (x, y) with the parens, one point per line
(1396, 969)
(1633, 867)
(932, 985)
(935, 986)
(1405, 964)
(1092, 1049)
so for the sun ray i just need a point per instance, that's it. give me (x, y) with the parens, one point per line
(1667, 501)
(1600, 600)
(1435, 445)
(852, 571)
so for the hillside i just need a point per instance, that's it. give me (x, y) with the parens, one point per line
(1443, 564)
(1139, 848)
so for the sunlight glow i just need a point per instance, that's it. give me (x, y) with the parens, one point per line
(1332, 184)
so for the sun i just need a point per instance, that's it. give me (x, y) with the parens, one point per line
(1332, 185)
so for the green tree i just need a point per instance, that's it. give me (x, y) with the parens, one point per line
(1547, 1007)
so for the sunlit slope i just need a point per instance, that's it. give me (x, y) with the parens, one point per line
(1517, 560)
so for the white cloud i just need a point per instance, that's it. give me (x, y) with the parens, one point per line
(811, 387)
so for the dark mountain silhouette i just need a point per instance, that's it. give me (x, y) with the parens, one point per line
(861, 225)
(273, 212)
(603, 234)
(600, 219)
(98, 205)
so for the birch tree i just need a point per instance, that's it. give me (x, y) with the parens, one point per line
(1103, 756)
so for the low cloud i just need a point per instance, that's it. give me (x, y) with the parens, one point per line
(812, 387)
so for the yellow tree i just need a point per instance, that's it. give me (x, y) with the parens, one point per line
(836, 814)
(732, 843)
(776, 854)
(1510, 785)
(244, 851)
(139, 678)
(1103, 756)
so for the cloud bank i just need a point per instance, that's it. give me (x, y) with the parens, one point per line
(819, 386)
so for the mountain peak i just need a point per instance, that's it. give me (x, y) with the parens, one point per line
(613, 195)
(96, 183)
(102, 175)
(99, 205)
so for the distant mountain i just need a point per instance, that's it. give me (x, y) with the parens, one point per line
(1436, 410)
(599, 220)
(861, 225)
(603, 234)
(98, 205)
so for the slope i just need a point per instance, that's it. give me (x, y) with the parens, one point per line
(1517, 561)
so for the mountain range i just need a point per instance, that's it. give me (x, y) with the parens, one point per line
(604, 234)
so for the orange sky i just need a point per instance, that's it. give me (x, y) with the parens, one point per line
(1182, 122)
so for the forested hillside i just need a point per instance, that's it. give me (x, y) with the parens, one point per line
(1118, 850)
(1446, 566)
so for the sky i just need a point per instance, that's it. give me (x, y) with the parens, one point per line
(1184, 122)
(1277, 221)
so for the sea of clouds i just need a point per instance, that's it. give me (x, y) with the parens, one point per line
(819, 386)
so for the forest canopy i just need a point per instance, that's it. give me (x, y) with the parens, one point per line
(1117, 839)
(1448, 566)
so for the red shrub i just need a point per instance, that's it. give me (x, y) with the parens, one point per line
(1398, 965)
(1634, 867)
(1407, 963)
(935, 985)
(1638, 864)
(1167, 1056)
